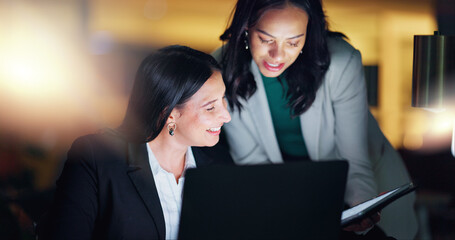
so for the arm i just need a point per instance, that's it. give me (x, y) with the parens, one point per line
(244, 147)
(350, 108)
(75, 206)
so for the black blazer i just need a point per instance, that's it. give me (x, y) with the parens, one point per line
(107, 191)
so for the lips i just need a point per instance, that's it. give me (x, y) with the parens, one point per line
(273, 67)
(214, 131)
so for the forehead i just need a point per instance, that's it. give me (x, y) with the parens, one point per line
(212, 89)
(290, 19)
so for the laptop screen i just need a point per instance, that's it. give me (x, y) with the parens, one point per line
(292, 200)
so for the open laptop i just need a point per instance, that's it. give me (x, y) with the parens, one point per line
(283, 201)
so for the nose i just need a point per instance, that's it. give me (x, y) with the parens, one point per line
(224, 114)
(276, 52)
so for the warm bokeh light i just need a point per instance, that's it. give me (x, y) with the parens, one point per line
(412, 142)
(51, 90)
(435, 127)
(66, 67)
(383, 31)
(196, 23)
(48, 78)
(442, 123)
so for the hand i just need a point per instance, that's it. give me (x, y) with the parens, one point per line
(365, 224)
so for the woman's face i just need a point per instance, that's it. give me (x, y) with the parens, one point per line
(277, 39)
(199, 121)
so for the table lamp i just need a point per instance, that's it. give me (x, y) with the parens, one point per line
(433, 76)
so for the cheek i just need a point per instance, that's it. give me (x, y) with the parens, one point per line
(293, 54)
(189, 123)
(257, 49)
(206, 122)
(201, 122)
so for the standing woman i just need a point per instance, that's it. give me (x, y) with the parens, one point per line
(296, 91)
(127, 183)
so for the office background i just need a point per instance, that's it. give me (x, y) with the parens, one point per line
(66, 69)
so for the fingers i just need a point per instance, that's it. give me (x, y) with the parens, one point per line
(361, 226)
(365, 224)
(376, 217)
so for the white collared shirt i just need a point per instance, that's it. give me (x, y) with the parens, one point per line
(169, 191)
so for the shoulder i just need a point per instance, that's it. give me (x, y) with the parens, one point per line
(338, 45)
(103, 144)
(345, 60)
(103, 139)
(345, 74)
(341, 51)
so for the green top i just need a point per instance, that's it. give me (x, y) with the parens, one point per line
(287, 130)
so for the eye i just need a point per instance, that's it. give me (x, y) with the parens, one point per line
(210, 109)
(293, 44)
(267, 41)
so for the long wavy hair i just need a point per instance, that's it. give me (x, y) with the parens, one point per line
(165, 80)
(304, 76)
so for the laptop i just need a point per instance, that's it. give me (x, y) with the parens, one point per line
(281, 201)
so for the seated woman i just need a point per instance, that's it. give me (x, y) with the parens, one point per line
(127, 183)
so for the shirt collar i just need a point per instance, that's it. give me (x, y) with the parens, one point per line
(155, 165)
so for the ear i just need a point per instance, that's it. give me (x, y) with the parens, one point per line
(175, 114)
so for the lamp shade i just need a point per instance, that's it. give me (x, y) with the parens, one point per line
(433, 76)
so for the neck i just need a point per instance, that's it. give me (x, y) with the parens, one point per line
(169, 154)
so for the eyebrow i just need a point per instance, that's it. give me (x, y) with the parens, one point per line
(210, 102)
(270, 35)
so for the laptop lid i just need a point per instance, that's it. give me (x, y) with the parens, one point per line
(292, 200)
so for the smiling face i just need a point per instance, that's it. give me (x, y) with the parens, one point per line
(277, 39)
(199, 121)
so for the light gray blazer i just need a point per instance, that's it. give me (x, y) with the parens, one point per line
(336, 126)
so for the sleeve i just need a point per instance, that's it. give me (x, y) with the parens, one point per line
(351, 110)
(75, 207)
(245, 149)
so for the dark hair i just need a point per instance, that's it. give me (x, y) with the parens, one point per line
(304, 76)
(165, 80)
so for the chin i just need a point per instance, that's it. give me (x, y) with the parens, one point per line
(213, 142)
(270, 74)
(211, 145)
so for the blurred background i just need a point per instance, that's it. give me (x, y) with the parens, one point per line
(66, 69)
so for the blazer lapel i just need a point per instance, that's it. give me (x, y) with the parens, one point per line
(141, 175)
(263, 119)
(310, 122)
(201, 158)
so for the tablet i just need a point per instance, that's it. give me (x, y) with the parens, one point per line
(369, 207)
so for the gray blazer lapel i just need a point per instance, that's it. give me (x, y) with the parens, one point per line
(260, 112)
(141, 175)
(310, 122)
